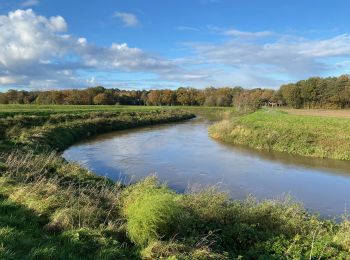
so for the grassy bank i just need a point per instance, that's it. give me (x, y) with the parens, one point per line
(313, 136)
(52, 209)
(58, 127)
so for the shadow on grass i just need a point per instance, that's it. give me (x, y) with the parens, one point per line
(23, 236)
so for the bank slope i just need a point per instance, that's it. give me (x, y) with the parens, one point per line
(275, 130)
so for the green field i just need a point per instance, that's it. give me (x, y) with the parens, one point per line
(313, 136)
(11, 110)
(52, 209)
(42, 110)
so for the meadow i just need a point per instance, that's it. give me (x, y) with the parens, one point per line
(307, 135)
(53, 209)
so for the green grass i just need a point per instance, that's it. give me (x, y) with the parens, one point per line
(52, 209)
(72, 108)
(60, 129)
(15, 109)
(25, 232)
(79, 217)
(312, 136)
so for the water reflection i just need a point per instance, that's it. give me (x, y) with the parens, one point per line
(183, 155)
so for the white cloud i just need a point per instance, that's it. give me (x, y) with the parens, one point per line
(129, 19)
(37, 50)
(7, 80)
(58, 24)
(30, 3)
(26, 37)
(280, 59)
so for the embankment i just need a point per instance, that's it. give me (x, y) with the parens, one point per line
(313, 136)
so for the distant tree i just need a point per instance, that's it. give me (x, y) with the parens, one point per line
(187, 96)
(210, 101)
(144, 97)
(102, 99)
(3, 98)
(315, 92)
(154, 98)
(168, 97)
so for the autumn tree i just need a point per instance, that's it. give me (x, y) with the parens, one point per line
(102, 99)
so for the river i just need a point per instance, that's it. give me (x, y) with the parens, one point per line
(185, 157)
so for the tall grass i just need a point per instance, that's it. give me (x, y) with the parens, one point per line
(71, 205)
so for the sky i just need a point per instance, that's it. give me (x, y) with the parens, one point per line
(152, 44)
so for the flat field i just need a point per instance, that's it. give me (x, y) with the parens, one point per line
(341, 113)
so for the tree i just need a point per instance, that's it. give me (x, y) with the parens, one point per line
(154, 98)
(101, 99)
(168, 97)
(3, 98)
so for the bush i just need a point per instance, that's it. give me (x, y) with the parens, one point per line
(152, 212)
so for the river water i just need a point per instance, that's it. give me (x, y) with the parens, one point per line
(184, 156)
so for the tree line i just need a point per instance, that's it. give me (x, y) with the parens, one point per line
(315, 92)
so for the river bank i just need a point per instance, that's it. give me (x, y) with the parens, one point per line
(313, 136)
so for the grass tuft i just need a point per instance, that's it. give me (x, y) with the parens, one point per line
(152, 213)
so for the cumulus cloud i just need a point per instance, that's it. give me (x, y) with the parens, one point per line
(37, 50)
(28, 41)
(129, 19)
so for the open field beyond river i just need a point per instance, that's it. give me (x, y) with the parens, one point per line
(341, 113)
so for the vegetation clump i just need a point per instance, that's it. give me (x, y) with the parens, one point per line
(152, 212)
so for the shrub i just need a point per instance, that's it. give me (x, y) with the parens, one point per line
(152, 212)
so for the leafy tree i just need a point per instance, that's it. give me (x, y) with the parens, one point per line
(102, 99)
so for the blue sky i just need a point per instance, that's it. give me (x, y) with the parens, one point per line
(51, 44)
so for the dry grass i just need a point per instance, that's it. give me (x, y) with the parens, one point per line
(344, 113)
